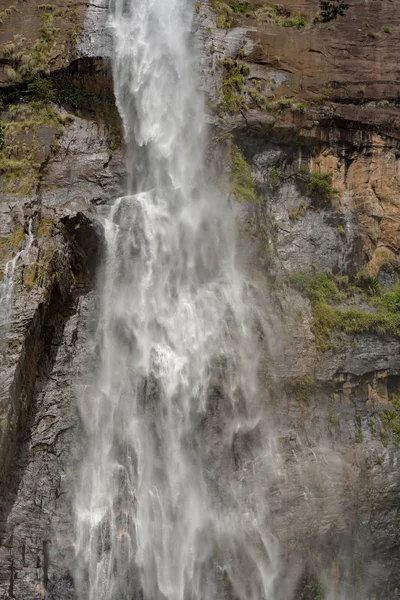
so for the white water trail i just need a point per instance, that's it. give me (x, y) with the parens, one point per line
(7, 284)
(173, 496)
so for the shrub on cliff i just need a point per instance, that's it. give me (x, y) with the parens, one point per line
(2, 136)
(382, 317)
(320, 189)
(331, 9)
(42, 89)
(46, 90)
(241, 181)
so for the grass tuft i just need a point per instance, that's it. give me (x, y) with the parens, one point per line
(322, 290)
(241, 182)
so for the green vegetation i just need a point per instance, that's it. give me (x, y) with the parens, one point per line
(373, 285)
(233, 100)
(275, 105)
(27, 115)
(227, 10)
(261, 101)
(16, 239)
(317, 287)
(331, 9)
(375, 35)
(319, 591)
(28, 59)
(274, 177)
(20, 152)
(27, 62)
(383, 434)
(61, 91)
(30, 276)
(320, 189)
(296, 20)
(332, 416)
(280, 16)
(48, 264)
(222, 22)
(47, 90)
(28, 108)
(388, 301)
(12, 244)
(323, 96)
(240, 8)
(298, 212)
(6, 13)
(298, 107)
(41, 89)
(322, 289)
(241, 181)
(390, 419)
(224, 12)
(45, 228)
(302, 387)
(387, 30)
(2, 136)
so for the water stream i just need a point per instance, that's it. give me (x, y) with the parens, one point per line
(173, 495)
(7, 286)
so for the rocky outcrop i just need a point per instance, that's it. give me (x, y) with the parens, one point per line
(43, 355)
(313, 108)
(61, 160)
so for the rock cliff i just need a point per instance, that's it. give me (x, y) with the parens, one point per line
(304, 120)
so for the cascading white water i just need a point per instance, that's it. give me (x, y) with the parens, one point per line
(172, 501)
(7, 286)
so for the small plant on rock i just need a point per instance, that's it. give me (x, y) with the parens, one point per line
(41, 89)
(331, 9)
(298, 212)
(298, 107)
(320, 189)
(241, 184)
(373, 286)
(239, 8)
(2, 136)
(232, 85)
(375, 35)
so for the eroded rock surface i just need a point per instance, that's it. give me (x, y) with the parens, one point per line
(319, 99)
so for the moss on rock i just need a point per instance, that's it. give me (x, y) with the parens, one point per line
(241, 181)
(322, 290)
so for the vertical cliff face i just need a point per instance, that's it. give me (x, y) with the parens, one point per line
(312, 107)
(304, 125)
(61, 159)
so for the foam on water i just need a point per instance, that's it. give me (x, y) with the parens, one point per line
(172, 502)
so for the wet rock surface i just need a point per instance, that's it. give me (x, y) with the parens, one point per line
(37, 552)
(336, 509)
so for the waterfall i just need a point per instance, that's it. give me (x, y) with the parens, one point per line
(172, 500)
(7, 285)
